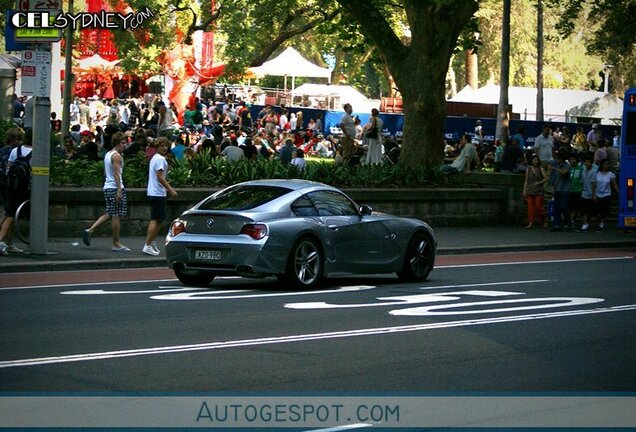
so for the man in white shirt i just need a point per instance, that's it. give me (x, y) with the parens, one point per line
(158, 188)
(348, 126)
(467, 158)
(544, 146)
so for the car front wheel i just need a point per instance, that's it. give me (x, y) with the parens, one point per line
(419, 259)
(193, 278)
(304, 267)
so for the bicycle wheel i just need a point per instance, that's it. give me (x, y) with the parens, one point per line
(21, 221)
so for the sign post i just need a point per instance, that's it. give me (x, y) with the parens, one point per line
(36, 82)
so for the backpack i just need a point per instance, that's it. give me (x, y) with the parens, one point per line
(197, 117)
(19, 174)
(4, 157)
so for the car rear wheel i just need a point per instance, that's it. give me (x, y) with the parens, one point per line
(193, 277)
(419, 259)
(305, 264)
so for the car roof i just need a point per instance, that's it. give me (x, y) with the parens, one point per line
(293, 184)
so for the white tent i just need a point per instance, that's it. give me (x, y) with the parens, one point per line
(291, 63)
(334, 96)
(557, 103)
(96, 61)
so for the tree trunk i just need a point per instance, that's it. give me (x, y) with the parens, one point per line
(390, 82)
(540, 115)
(472, 77)
(503, 118)
(419, 69)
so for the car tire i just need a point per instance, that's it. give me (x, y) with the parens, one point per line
(304, 265)
(419, 258)
(193, 278)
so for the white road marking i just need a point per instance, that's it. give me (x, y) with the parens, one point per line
(574, 260)
(83, 284)
(437, 310)
(404, 300)
(307, 337)
(160, 290)
(211, 295)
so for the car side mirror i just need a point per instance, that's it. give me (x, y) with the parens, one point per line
(365, 210)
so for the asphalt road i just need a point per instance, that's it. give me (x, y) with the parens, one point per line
(517, 322)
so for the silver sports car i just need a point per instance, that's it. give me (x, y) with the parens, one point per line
(297, 230)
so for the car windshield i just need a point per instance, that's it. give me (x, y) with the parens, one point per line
(243, 197)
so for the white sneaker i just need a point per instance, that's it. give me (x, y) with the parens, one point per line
(15, 249)
(4, 248)
(148, 250)
(585, 227)
(154, 246)
(120, 248)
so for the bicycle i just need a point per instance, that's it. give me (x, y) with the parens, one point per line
(21, 221)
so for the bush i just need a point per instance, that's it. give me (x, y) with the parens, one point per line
(203, 171)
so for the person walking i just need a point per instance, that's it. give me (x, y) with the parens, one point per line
(114, 193)
(18, 184)
(157, 190)
(533, 191)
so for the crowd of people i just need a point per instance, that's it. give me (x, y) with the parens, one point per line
(225, 129)
(577, 173)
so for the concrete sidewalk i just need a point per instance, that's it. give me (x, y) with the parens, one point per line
(71, 254)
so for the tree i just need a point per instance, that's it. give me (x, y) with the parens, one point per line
(539, 60)
(419, 67)
(503, 119)
(613, 33)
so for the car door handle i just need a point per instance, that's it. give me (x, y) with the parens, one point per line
(333, 227)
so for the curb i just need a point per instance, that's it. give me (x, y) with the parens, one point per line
(160, 262)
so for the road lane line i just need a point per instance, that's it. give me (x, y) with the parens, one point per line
(575, 260)
(306, 337)
(83, 284)
(343, 428)
(211, 295)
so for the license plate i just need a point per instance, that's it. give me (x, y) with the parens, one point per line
(207, 255)
(630, 221)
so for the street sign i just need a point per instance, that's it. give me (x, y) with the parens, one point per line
(42, 34)
(36, 73)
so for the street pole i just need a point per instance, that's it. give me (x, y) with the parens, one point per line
(68, 76)
(39, 225)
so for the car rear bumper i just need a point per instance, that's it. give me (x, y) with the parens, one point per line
(224, 255)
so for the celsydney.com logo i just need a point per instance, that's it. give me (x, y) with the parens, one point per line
(102, 19)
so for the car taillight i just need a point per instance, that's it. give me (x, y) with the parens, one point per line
(178, 227)
(256, 231)
(630, 194)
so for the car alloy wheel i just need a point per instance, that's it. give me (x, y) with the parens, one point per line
(304, 269)
(419, 259)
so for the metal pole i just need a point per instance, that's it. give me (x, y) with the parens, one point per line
(68, 76)
(40, 162)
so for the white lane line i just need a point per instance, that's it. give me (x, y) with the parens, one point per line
(306, 337)
(83, 284)
(574, 260)
(211, 295)
(160, 290)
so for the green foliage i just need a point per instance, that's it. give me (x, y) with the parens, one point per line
(4, 127)
(201, 171)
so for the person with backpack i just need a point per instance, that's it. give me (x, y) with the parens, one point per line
(18, 185)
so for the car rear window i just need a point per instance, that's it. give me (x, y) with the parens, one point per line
(243, 197)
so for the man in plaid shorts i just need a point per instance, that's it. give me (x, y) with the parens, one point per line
(114, 193)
